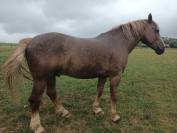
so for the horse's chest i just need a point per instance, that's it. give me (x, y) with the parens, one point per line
(114, 69)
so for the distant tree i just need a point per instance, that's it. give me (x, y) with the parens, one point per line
(172, 42)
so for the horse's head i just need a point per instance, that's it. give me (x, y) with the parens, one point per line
(151, 36)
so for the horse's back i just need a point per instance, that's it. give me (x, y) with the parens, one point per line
(56, 51)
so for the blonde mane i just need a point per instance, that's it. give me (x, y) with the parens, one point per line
(133, 29)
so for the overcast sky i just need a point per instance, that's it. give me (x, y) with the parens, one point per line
(83, 18)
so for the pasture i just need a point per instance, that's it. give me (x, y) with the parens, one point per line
(147, 100)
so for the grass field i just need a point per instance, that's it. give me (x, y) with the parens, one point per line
(147, 100)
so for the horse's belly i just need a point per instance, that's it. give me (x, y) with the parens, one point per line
(84, 73)
(81, 76)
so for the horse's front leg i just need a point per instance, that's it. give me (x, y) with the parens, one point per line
(96, 105)
(114, 82)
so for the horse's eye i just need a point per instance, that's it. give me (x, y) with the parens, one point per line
(157, 31)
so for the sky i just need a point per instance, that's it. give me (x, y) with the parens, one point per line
(82, 18)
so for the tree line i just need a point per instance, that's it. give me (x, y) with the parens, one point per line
(169, 42)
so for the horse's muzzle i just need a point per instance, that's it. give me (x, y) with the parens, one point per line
(160, 50)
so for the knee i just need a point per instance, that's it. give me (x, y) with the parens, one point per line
(34, 101)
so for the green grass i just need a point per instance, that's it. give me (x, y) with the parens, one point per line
(147, 100)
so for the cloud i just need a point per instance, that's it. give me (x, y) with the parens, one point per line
(84, 18)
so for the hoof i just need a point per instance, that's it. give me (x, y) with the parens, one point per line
(36, 125)
(98, 111)
(63, 113)
(115, 118)
(38, 129)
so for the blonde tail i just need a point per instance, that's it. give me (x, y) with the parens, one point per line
(13, 65)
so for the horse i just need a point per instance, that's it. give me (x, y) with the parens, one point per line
(104, 57)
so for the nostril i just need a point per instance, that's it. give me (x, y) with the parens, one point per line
(163, 48)
(160, 50)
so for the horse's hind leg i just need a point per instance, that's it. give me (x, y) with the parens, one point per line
(51, 92)
(96, 105)
(35, 99)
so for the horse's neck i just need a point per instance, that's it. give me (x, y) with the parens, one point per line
(131, 44)
(120, 39)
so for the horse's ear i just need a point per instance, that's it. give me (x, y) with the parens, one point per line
(150, 18)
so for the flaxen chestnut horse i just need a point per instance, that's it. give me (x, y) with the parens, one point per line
(105, 56)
